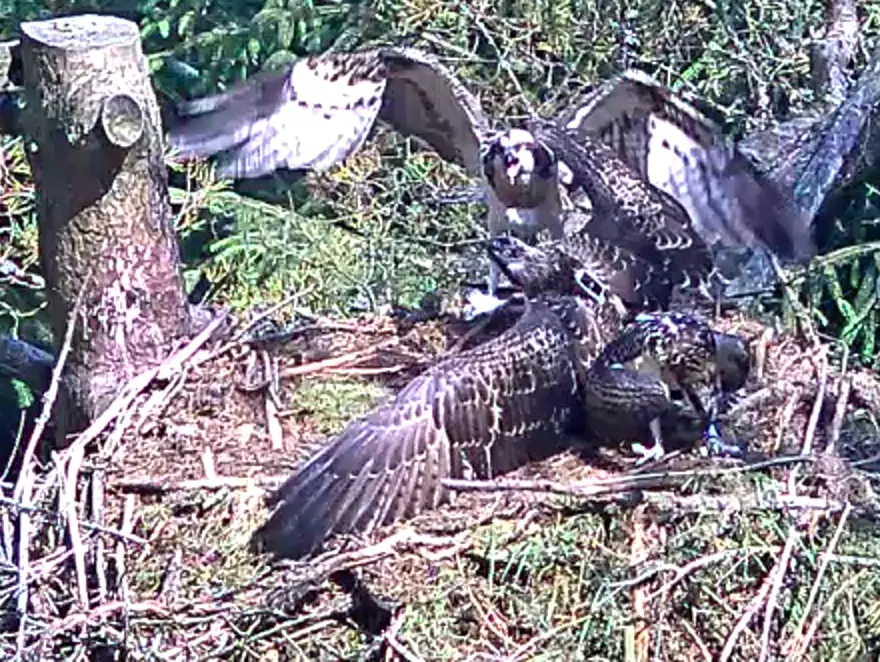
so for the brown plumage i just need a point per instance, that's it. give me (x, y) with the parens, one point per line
(629, 213)
(670, 144)
(658, 367)
(518, 398)
(319, 110)
(583, 265)
(486, 411)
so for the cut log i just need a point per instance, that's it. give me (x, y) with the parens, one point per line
(104, 215)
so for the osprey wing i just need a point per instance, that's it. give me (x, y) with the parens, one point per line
(493, 408)
(321, 109)
(679, 150)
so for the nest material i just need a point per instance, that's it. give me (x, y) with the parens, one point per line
(138, 533)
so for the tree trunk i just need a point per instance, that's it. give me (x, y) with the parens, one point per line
(104, 214)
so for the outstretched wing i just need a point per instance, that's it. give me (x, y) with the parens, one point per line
(425, 99)
(682, 152)
(321, 109)
(630, 213)
(309, 115)
(493, 408)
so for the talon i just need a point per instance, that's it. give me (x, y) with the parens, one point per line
(479, 303)
(647, 454)
(656, 451)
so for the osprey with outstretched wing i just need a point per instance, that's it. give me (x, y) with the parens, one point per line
(682, 152)
(483, 412)
(514, 399)
(318, 111)
(640, 220)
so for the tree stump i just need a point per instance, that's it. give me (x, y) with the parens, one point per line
(104, 217)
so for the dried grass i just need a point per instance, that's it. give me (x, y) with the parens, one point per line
(141, 542)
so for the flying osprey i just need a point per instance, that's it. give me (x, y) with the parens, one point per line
(321, 109)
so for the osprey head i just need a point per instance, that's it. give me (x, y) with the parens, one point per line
(513, 158)
(538, 269)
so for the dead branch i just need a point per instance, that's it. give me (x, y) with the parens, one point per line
(163, 486)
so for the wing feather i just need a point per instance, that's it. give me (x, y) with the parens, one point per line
(309, 115)
(318, 111)
(388, 464)
(679, 150)
(629, 212)
(425, 99)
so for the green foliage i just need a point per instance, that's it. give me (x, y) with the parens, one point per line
(367, 233)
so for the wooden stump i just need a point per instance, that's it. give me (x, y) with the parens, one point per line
(97, 157)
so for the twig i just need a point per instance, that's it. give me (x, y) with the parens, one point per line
(52, 392)
(331, 562)
(617, 483)
(207, 458)
(761, 348)
(67, 494)
(810, 433)
(337, 361)
(13, 505)
(698, 641)
(682, 572)
(237, 338)
(369, 372)
(798, 642)
(158, 401)
(84, 618)
(126, 528)
(24, 538)
(27, 476)
(162, 486)
(826, 607)
(743, 622)
(395, 644)
(777, 575)
(98, 515)
(137, 384)
(272, 404)
(785, 417)
(839, 414)
(641, 635)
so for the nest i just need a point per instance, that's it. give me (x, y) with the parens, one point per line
(135, 537)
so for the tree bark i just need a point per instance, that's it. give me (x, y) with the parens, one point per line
(104, 214)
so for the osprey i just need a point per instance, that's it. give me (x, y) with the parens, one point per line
(517, 398)
(319, 110)
(670, 144)
(660, 364)
(484, 412)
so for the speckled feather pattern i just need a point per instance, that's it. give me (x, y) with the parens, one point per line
(491, 409)
(676, 148)
(318, 111)
(636, 376)
(630, 213)
(554, 265)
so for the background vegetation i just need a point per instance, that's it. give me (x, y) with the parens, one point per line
(380, 231)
